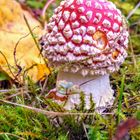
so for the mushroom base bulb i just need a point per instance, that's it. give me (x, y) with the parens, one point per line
(97, 86)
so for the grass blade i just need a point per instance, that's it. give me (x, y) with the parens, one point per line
(120, 99)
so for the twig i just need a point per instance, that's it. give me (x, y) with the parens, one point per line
(132, 53)
(51, 113)
(10, 90)
(10, 134)
(37, 45)
(44, 86)
(86, 82)
(135, 23)
(137, 96)
(32, 33)
(26, 71)
(133, 11)
(137, 55)
(85, 131)
(45, 8)
(14, 53)
(13, 95)
(7, 63)
(135, 105)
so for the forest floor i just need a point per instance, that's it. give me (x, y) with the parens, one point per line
(26, 114)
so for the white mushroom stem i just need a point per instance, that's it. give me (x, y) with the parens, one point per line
(98, 86)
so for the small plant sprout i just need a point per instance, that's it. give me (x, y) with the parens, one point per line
(87, 40)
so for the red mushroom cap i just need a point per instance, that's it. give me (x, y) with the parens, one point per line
(89, 33)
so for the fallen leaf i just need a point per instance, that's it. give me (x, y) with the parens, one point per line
(125, 127)
(13, 30)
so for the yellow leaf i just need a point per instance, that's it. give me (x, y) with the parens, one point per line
(12, 29)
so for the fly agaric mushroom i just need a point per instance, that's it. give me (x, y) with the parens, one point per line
(89, 39)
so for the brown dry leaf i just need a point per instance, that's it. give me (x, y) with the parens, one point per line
(125, 127)
(12, 29)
